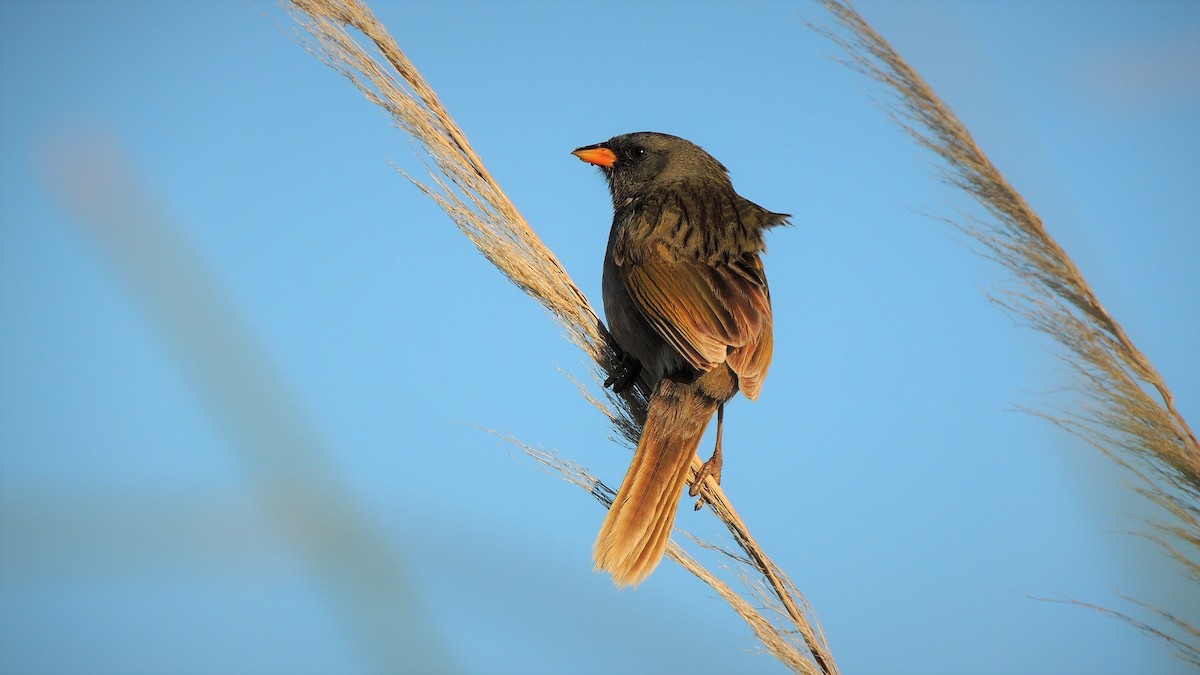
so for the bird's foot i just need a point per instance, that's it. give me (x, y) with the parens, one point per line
(713, 466)
(710, 468)
(624, 374)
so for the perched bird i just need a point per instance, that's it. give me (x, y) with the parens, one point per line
(687, 301)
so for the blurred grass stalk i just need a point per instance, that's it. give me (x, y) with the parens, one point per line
(475, 202)
(286, 459)
(1128, 412)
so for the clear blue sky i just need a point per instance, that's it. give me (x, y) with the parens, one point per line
(883, 467)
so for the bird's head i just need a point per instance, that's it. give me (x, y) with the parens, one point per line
(636, 163)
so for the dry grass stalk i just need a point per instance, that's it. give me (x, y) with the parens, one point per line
(778, 641)
(286, 461)
(1120, 416)
(463, 188)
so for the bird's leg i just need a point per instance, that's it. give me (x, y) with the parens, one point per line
(713, 466)
(624, 374)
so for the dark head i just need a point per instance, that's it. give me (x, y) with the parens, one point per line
(632, 163)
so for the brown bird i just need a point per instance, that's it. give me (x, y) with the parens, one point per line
(687, 301)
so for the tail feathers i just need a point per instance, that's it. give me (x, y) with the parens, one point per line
(638, 526)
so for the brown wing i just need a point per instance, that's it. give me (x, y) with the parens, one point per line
(751, 360)
(710, 313)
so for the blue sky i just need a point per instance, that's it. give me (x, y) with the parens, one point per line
(883, 467)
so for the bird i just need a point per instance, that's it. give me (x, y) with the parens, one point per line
(687, 302)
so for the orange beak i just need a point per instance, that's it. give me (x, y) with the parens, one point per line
(595, 154)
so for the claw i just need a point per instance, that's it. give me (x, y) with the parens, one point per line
(713, 466)
(624, 374)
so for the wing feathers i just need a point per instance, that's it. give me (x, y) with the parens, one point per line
(690, 261)
(709, 314)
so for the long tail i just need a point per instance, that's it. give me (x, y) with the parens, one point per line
(638, 526)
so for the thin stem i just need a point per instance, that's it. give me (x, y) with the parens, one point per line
(1119, 416)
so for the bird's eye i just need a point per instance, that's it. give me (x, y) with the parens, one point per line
(637, 152)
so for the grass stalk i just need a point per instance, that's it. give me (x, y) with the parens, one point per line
(1127, 410)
